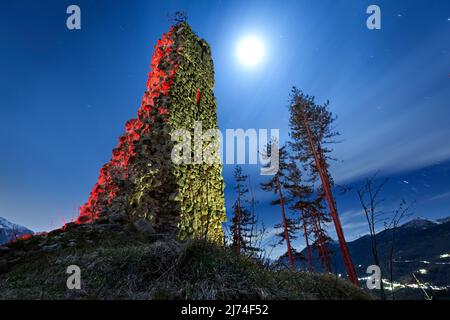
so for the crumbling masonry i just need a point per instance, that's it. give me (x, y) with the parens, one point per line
(140, 179)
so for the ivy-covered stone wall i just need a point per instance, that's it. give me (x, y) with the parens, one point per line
(141, 179)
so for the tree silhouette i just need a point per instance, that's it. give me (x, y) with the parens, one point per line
(243, 221)
(369, 197)
(311, 130)
(319, 219)
(300, 195)
(276, 184)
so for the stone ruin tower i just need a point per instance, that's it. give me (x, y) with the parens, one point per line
(141, 180)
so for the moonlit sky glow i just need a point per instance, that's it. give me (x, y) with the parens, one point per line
(250, 51)
(65, 96)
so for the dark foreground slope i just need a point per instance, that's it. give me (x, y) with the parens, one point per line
(127, 261)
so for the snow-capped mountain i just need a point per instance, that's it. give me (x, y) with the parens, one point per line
(10, 231)
(419, 223)
(443, 220)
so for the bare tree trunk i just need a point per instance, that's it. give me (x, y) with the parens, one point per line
(238, 223)
(308, 249)
(391, 261)
(370, 214)
(286, 232)
(399, 214)
(350, 268)
(253, 218)
(323, 252)
(238, 230)
(324, 246)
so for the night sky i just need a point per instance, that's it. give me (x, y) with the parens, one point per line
(66, 95)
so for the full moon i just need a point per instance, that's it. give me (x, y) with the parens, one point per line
(250, 51)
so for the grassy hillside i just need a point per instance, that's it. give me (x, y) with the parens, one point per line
(118, 261)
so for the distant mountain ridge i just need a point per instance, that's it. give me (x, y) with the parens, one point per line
(421, 247)
(443, 220)
(9, 231)
(419, 223)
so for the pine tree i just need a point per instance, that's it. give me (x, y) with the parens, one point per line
(311, 130)
(244, 220)
(254, 233)
(312, 218)
(276, 184)
(319, 219)
(291, 225)
(300, 202)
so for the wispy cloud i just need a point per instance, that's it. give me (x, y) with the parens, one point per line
(350, 215)
(440, 196)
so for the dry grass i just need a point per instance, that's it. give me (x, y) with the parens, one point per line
(135, 268)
